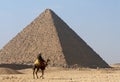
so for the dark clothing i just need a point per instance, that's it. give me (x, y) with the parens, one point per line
(40, 58)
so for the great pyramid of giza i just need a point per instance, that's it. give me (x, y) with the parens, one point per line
(50, 35)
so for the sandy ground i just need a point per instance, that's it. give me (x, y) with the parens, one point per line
(64, 75)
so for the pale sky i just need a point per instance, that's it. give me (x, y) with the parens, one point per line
(97, 22)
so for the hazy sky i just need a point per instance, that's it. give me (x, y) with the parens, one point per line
(97, 22)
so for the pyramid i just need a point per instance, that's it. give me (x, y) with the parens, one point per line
(50, 35)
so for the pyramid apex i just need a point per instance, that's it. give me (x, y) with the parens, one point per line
(48, 10)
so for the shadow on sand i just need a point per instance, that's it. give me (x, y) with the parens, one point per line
(16, 66)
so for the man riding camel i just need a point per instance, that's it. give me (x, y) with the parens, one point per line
(39, 59)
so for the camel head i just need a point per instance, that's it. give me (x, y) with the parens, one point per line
(48, 60)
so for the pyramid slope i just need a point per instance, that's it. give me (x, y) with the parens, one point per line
(76, 51)
(39, 36)
(51, 36)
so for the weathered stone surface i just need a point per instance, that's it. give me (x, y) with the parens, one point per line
(52, 37)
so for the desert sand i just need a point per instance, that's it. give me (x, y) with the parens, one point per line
(57, 74)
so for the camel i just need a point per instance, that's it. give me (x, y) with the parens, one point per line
(39, 64)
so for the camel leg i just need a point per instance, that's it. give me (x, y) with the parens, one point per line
(36, 72)
(42, 74)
